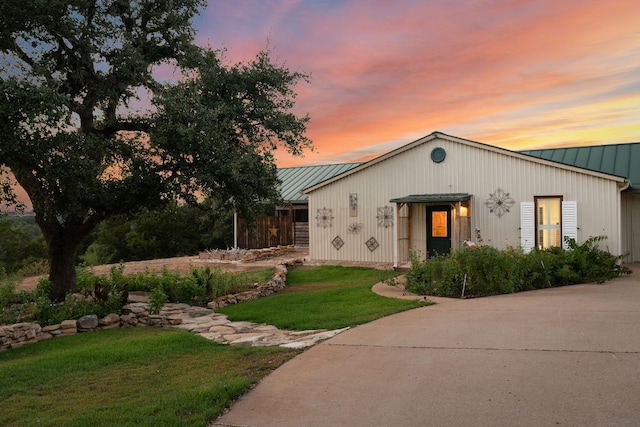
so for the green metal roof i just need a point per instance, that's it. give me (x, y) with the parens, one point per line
(433, 198)
(296, 179)
(616, 159)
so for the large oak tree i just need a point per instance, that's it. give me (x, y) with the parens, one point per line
(89, 131)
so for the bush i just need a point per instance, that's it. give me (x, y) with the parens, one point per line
(485, 270)
(157, 300)
(105, 294)
(36, 267)
(592, 263)
(8, 300)
(18, 247)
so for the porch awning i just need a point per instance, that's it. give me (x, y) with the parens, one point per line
(433, 198)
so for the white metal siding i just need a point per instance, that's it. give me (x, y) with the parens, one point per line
(466, 169)
(631, 226)
(419, 228)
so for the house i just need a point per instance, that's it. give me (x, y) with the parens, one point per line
(614, 159)
(295, 204)
(440, 191)
(290, 225)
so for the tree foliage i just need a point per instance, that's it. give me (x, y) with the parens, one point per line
(18, 245)
(89, 131)
(162, 233)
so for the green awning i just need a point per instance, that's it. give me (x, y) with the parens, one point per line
(433, 198)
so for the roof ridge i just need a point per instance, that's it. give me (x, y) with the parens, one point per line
(580, 146)
(323, 165)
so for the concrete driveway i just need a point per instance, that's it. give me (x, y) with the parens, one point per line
(558, 357)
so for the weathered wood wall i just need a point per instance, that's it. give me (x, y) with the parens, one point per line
(301, 233)
(269, 231)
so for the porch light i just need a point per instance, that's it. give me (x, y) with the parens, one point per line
(464, 211)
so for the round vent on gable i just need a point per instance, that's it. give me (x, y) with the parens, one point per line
(438, 154)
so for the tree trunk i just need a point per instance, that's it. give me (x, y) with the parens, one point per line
(62, 262)
(62, 243)
(63, 240)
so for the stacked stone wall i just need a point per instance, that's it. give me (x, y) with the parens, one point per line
(135, 313)
(247, 255)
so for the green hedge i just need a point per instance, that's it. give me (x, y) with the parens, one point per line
(485, 270)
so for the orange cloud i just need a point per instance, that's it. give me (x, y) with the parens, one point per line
(518, 74)
(511, 73)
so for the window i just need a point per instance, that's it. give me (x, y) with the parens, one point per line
(301, 215)
(439, 224)
(548, 221)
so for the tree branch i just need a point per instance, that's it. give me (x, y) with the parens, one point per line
(23, 56)
(123, 126)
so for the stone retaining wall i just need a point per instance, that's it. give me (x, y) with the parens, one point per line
(134, 313)
(261, 290)
(247, 255)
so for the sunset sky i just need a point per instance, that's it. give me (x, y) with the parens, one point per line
(517, 74)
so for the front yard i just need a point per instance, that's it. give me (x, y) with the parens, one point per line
(153, 376)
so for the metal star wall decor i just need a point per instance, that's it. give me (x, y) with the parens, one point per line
(324, 217)
(385, 216)
(499, 202)
(354, 228)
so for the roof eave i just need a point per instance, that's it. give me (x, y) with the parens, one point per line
(434, 135)
(433, 198)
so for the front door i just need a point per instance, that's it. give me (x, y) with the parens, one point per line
(438, 230)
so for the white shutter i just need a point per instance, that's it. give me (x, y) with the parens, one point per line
(569, 222)
(527, 226)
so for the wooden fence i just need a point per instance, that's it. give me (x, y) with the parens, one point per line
(269, 231)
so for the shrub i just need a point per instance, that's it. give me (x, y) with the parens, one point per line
(431, 277)
(74, 306)
(593, 264)
(157, 300)
(19, 247)
(105, 294)
(484, 270)
(36, 267)
(9, 299)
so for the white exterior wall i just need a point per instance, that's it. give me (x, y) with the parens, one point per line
(631, 226)
(477, 170)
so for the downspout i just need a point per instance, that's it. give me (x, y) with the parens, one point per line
(621, 187)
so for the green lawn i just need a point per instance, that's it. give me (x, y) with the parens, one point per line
(164, 377)
(128, 377)
(326, 297)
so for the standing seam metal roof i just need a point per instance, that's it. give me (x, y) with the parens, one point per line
(621, 160)
(296, 179)
(616, 159)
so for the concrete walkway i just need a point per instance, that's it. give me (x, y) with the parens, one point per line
(558, 357)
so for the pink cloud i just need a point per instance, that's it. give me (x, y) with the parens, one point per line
(385, 71)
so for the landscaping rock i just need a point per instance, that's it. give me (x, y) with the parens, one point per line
(203, 321)
(68, 327)
(43, 336)
(138, 296)
(135, 307)
(87, 323)
(127, 320)
(109, 320)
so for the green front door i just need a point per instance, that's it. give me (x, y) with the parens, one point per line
(438, 230)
